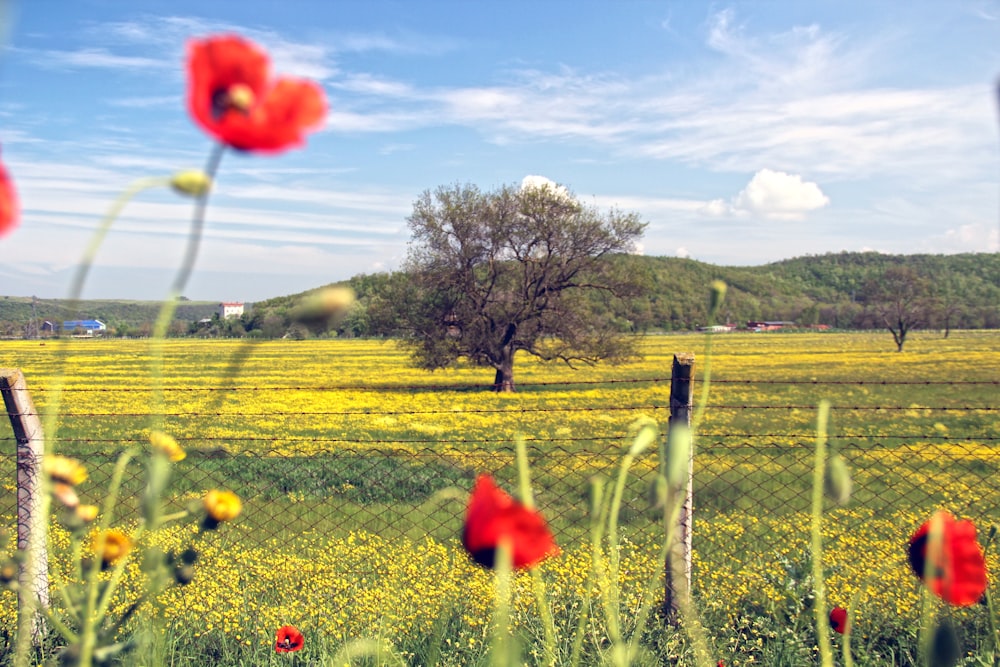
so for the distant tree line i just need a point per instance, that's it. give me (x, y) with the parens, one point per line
(842, 290)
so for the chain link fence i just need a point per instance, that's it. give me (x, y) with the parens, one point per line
(317, 471)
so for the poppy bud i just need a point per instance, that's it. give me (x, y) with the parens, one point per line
(717, 296)
(678, 455)
(192, 183)
(66, 494)
(658, 491)
(323, 305)
(183, 574)
(837, 480)
(945, 650)
(645, 435)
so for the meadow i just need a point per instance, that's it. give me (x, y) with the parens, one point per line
(345, 455)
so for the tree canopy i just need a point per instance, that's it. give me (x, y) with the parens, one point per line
(900, 299)
(515, 269)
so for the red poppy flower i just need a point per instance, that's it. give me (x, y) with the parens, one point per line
(288, 639)
(958, 574)
(8, 203)
(838, 619)
(232, 97)
(493, 515)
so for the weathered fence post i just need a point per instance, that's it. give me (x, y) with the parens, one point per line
(31, 525)
(681, 391)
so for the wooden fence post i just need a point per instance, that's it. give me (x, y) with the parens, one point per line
(681, 391)
(31, 525)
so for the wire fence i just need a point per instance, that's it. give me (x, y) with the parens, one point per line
(336, 459)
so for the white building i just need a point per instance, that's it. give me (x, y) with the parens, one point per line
(230, 309)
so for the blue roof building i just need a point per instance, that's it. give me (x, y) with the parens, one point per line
(88, 326)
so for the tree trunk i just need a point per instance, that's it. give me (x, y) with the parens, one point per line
(504, 379)
(900, 337)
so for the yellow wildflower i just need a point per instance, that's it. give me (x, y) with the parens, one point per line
(111, 545)
(166, 444)
(222, 505)
(64, 469)
(86, 513)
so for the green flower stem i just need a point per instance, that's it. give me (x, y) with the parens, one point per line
(992, 617)
(933, 554)
(819, 582)
(116, 576)
(502, 649)
(596, 536)
(538, 585)
(614, 555)
(990, 608)
(647, 606)
(852, 609)
(76, 290)
(379, 649)
(523, 473)
(53, 619)
(73, 613)
(167, 518)
(90, 620)
(169, 306)
(50, 423)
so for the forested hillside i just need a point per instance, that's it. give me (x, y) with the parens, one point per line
(825, 289)
(18, 316)
(957, 291)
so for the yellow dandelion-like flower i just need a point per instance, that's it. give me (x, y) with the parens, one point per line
(166, 444)
(64, 469)
(86, 513)
(222, 505)
(111, 545)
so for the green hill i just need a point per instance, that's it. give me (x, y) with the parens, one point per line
(964, 291)
(123, 317)
(823, 289)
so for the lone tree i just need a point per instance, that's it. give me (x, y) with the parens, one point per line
(491, 274)
(899, 299)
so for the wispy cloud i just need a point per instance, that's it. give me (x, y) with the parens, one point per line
(95, 58)
(796, 100)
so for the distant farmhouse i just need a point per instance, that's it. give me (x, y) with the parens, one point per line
(768, 326)
(83, 327)
(230, 309)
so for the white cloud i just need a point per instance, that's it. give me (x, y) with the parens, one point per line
(682, 252)
(779, 196)
(716, 208)
(533, 181)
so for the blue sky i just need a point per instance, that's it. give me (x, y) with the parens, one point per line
(743, 132)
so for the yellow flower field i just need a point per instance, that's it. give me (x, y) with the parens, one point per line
(340, 450)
